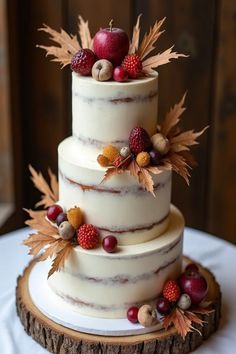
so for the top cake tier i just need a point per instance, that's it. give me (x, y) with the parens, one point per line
(105, 113)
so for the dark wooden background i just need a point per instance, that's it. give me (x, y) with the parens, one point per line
(41, 97)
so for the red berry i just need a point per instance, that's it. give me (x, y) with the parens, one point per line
(133, 65)
(139, 140)
(171, 290)
(119, 74)
(87, 236)
(118, 161)
(195, 285)
(53, 211)
(192, 267)
(163, 306)
(82, 62)
(60, 218)
(132, 314)
(109, 243)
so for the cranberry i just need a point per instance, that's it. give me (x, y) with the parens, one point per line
(132, 314)
(119, 74)
(53, 212)
(60, 218)
(109, 243)
(163, 306)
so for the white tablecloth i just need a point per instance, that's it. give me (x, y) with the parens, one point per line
(217, 255)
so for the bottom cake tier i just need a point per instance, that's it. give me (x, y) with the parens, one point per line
(100, 284)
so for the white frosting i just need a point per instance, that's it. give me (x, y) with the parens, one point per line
(97, 283)
(106, 112)
(116, 205)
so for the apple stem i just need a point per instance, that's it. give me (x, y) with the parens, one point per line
(111, 24)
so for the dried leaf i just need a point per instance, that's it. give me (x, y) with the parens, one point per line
(147, 44)
(84, 33)
(142, 175)
(135, 38)
(179, 165)
(39, 222)
(60, 258)
(50, 194)
(182, 141)
(182, 321)
(159, 59)
(37, 242)
(172, 117)
(112, 171)
(68, 45)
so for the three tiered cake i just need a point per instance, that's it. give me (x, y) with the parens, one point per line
(114, 239)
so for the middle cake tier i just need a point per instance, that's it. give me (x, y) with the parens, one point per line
(118, 206)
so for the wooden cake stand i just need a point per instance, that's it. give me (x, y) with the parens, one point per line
(61, 340)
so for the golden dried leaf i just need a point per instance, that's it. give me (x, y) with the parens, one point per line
(179, 165)
(50, 194)
(142, 175)
(37, 242)
(68, 45)
(182, 321)
(149, 39)
(182, 141)
(84, 33)
(172, 117)
(112, 171)
(159, 59)
(39, 222)
(59, 260)
(135, 38)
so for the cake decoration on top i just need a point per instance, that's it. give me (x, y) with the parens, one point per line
(128, 59)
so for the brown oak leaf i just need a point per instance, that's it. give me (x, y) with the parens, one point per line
(149, 39)
(183, 321)
(172, 117)
(135, 37)
(50, 193)
(67, 45)
(84, 33)
(159, 59)
(59, 261)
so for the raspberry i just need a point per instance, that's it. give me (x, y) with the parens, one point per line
(132, 65)
(171, 290)
(111, 152)
(143, 159)
(139, 140)
(87, 236)
(82, 62)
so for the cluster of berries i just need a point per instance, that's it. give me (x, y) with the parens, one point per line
(144, 149)
(71, 225)
(85, 63)
(190, 289)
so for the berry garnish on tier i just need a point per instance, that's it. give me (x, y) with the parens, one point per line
(171, 291)
(147, 155)
(53, 212)
(109, 243)
(88, 236)
(82, 62)
(110, 44)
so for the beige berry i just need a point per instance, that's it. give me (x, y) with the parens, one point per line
(147, 316)
(125, 151)
(143, 159)
(160, 143)
(184, 302)
(103, 160)
(75, 217)
(102, 70)
(66, 230)
(110, 152)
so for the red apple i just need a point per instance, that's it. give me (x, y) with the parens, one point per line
(195, 285)
(111, 44)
